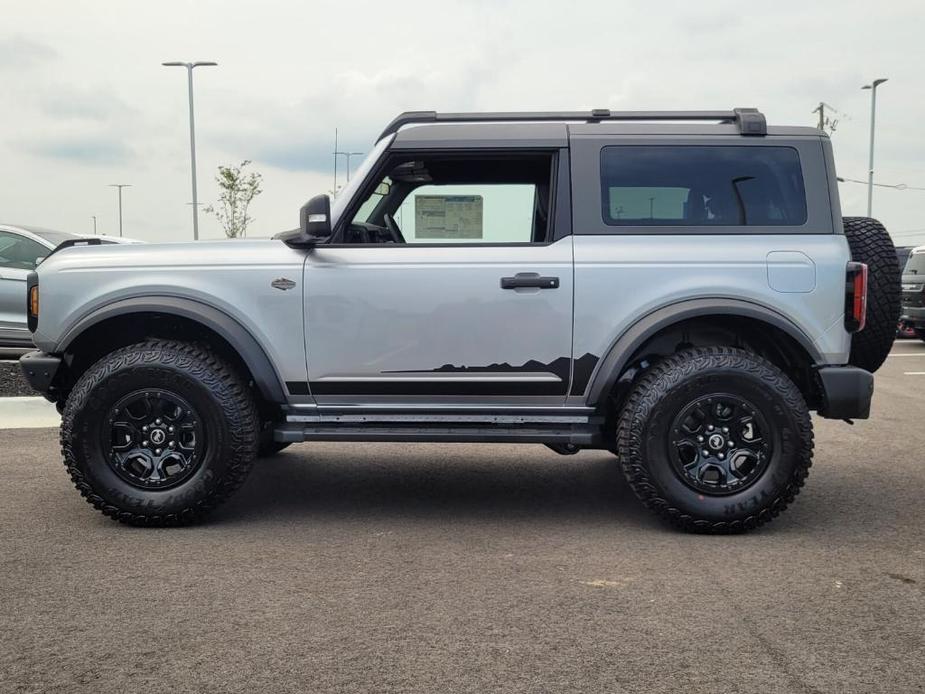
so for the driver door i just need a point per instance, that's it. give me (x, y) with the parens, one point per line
(460, 291)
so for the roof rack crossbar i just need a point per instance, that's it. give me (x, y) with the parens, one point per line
(750, 121)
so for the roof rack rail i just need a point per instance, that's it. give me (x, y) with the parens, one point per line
(749, 120)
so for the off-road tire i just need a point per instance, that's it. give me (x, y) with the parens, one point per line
(871, 244)
(644, 432)
(221, 398)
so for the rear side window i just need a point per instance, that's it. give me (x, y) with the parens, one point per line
(663, 185)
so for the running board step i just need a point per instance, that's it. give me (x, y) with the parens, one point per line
(581, 435)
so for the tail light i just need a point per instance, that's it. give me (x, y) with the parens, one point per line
(32, 301)
(856, 297)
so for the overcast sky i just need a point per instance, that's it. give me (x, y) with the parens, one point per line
(86, 102)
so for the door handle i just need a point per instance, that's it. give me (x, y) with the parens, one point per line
(529, 279)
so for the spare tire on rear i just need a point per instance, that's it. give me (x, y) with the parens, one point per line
(871, 244)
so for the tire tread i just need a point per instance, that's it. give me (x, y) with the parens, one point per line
(666, 375)
(236, 401)
(871, 244)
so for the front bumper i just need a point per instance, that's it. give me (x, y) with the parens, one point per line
(40, 369)
(846, 392)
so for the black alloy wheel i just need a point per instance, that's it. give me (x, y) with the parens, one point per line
(720, 444)
(155, 438)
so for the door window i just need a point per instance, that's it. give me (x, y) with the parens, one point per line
(457, 200)
(19, 253)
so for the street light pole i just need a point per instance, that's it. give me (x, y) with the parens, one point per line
(192, 134)
(348, 155)
(93, 217)
(120, 186)
(873, 115)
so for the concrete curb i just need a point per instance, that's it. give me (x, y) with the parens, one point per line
(28, 413)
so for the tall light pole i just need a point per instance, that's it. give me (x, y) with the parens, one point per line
(93, 217)
(873, 115)
(120, 186)
(192, 133)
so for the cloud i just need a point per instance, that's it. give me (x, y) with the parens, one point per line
(91, 150)
(85, 104)
(18, 52)
(301, 138)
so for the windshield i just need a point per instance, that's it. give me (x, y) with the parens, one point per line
(345, 194)
(53, 237)
(915, 265)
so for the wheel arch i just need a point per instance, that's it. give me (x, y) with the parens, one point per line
(214, 322)
(628, 346)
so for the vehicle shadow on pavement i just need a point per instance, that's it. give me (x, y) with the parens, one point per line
(395, 480)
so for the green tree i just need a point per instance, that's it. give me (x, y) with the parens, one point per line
(238, 191)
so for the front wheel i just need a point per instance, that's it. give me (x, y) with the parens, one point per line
(159, 433)
(920, 333)
(715, 440)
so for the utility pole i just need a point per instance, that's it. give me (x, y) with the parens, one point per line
(348, 155)
(826, 122)
(338, 153)
(192, 133)
(93, 217)
(120, 186)
(873, 114)
(820, 109)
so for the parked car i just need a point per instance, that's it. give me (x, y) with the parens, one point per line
(913, 296)
(902, 254)
(22, 248)
(677, 287)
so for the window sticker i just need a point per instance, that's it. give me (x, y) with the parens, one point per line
(448, 216)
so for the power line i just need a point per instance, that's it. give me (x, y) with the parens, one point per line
(895, 186)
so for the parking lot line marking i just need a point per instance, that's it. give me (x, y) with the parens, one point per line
(908, 354)
(914, 373)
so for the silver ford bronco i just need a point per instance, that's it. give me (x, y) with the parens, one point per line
(679, 288)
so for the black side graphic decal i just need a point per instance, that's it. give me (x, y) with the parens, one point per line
(561, 367)
(581, 373)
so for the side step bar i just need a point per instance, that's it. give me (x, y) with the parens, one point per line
(578, 434)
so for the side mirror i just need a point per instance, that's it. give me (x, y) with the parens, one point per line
(314, 223)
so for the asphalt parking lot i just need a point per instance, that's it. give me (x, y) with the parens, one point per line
(459, 568)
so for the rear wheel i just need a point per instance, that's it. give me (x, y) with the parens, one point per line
(871, 244)
(715, 440)
(159, 433)
(920, 333)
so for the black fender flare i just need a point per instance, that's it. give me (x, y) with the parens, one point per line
(264, 374)
(623, 348)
